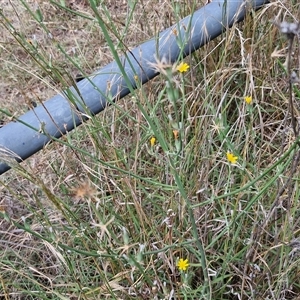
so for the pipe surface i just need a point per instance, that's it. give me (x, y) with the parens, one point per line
(29, 133)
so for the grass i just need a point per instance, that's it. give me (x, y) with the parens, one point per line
(107, 211)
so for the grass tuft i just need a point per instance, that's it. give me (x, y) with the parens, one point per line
(185, 189)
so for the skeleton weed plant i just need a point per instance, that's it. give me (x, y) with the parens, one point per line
(291, 30)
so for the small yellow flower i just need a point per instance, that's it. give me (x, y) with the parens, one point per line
(231, 157)
(248, 99)
(182, 67)
(176, 134)
(152, 141)
(182, 264)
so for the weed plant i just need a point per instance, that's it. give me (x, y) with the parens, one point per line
(185, 189)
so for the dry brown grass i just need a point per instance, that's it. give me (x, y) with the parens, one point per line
(22, 80)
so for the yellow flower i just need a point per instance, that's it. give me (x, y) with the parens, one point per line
(176, 134)
(231, 157)
(182, 264)
(182, 67)
(152, 141)
(248, 99)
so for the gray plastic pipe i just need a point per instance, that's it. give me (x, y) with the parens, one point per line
(29, 133)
